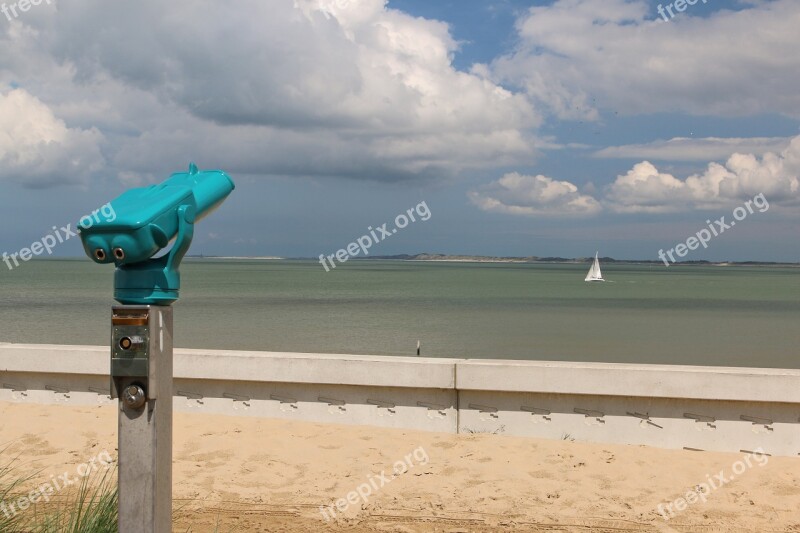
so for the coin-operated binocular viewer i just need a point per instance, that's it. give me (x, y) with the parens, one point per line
(147, 220)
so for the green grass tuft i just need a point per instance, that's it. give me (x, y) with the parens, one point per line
(92, 509)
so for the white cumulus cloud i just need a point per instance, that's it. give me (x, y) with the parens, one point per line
(695, 149)
(359, 90)
(518, 194)
(37, 148)
(645, 189)
(577, 56)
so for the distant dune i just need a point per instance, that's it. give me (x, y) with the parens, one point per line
(535, 259)
(495, 259)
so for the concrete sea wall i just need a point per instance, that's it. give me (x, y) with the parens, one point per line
(704, 408)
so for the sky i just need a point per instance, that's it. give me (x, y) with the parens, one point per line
(551, 128)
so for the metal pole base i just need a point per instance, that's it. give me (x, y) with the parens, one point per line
(145, 423)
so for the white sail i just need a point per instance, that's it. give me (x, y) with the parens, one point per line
(594, 271)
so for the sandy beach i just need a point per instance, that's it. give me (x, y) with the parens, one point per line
(249, 474)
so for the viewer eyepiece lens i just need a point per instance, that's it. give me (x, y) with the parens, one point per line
(119, 253)
(100, 254)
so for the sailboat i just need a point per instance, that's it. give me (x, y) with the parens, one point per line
(594, 272)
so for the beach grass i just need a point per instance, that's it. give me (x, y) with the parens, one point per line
(10, 483)
(92, 508)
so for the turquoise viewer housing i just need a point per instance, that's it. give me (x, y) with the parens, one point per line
(146, 221)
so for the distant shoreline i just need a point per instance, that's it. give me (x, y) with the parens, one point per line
(260, 258)
(434, 258)
(441, 258)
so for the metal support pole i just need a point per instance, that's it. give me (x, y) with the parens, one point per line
(141, 373)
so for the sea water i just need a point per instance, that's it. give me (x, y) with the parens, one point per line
(697, 315)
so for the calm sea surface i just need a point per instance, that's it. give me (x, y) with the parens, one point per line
(733, 316)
